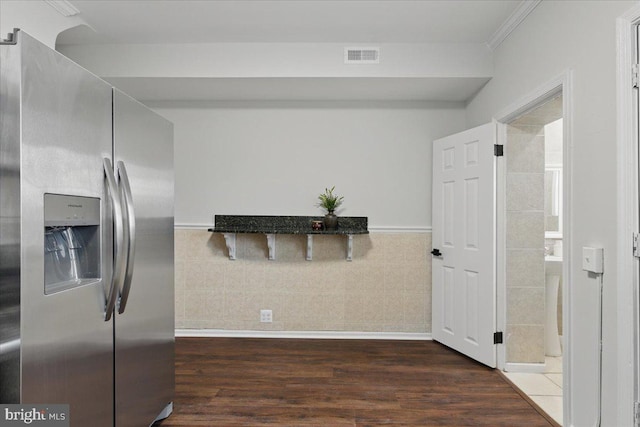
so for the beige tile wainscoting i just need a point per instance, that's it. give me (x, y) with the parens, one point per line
(386, 288)
(525, 240)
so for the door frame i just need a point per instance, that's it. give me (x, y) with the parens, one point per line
(560, 84)
(628, 338)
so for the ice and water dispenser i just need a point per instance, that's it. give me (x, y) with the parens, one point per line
(71, 241)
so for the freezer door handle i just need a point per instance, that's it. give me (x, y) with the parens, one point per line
(130, 220)
(118, 234)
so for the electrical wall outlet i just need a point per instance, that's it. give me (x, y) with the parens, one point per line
(266, 316)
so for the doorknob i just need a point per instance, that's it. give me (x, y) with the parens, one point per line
(436, 252)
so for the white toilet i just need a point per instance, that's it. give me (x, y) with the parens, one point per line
(553, 275)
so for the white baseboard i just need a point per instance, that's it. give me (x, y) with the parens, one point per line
(529, 368)
(221, 333)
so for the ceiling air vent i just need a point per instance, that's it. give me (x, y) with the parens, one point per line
(361, 55)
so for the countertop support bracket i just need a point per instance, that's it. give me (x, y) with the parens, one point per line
(349, 247)
(309, 247)
(271, 244)
(230, 240)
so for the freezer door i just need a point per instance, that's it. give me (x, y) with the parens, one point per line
(144, 330)
(66, 345)
(9, 224)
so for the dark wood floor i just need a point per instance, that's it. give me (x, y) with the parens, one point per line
(239, 381)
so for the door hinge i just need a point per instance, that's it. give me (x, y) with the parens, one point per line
(636, 413)
(635, 80)
(636, 250)
(498, 150)
(497, 338)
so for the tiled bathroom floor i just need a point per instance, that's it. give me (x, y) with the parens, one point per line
(545, 389)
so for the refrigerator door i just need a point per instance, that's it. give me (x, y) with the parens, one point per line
(66, 344)
(9, 224)
(144, 330)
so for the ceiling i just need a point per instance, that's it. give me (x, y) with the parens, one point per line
(321, 21)
(293, 21)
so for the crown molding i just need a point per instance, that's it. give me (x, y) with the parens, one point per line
(63, 7)
(518, 15)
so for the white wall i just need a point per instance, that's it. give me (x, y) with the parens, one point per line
(577, 36)
(274, 159)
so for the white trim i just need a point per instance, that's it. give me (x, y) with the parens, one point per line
(192, 226)
(63, 7)
(501, 243)
(560, 84)
(627, 200)
(512, 22)
(224, 333)
(372, 229)
(567, 245)
(394, 229)
(536, 97)
(529, 368)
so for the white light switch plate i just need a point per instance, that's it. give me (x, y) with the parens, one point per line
(593, 259)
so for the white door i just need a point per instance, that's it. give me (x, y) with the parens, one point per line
(464, 236)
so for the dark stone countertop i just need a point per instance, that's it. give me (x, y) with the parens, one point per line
(268, 224)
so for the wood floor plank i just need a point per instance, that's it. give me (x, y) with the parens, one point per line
(247, 382)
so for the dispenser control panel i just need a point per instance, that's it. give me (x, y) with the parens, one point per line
(64, 210)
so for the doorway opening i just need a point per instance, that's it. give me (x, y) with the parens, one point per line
(533, 253)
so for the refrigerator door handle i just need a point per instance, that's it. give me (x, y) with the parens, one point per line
(131, 232)
(118, 232)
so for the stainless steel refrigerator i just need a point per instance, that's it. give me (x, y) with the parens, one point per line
(86, 243)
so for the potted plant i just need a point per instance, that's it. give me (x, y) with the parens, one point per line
(330, 202)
